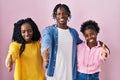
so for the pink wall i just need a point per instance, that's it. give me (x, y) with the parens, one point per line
(105, 12)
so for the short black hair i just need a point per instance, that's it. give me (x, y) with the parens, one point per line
(17, 32)
(90, 24)
(61, 6)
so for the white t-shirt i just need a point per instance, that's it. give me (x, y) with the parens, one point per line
(63, 66)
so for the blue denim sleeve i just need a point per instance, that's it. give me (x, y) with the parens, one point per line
(46, 39)
(78, 38)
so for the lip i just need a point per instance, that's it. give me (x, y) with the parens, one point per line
(62, 19)
(28, 37)
(91, 40)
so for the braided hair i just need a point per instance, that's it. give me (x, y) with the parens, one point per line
(61, 6)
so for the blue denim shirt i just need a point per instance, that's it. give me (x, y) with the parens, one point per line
(50, 38)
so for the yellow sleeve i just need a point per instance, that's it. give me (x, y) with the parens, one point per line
(14, 50)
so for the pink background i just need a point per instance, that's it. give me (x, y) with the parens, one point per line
(105, 12)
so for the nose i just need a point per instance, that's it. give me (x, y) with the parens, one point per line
(61, 15)
(26, 33)
(89, 36)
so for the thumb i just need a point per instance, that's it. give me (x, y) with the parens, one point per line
(47, 49)
(11, 57)
(103, 46)
(45, 52)
(10, 61)
(104, 51)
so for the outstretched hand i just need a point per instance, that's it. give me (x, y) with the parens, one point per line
(45, 55)
(104, 52)
(9, 64)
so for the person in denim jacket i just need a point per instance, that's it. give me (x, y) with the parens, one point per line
(59, 46)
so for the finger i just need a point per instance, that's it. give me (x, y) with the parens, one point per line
(9, 63)
(47, 49)
(9, 69)
(11, 56)
(103, 46)
(10, 59)
(45, 64)
(45, 59)
(104, 58)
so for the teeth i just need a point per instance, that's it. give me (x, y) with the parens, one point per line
(62, 19)
(28, 37)
(91, 40)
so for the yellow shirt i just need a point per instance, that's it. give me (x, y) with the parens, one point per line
(29, 64)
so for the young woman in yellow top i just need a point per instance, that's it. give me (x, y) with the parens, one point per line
(25, 51)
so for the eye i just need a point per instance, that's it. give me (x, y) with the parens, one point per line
(64, 14)
(30, 30)
(85, 35)
(22, 31)
(92, 34)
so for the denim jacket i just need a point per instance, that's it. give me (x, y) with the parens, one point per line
(50, 38)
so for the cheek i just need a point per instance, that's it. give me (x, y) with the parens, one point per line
(23, 35)
(86, 38)
(95, 36)
(31, 34)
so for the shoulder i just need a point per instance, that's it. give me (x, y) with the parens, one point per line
(38, 43)
(48, 28)
(82, 44)
(14, 47)
(81, 47)
(15, 43)
(73, 30)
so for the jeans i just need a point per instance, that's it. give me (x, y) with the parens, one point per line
(83, 76)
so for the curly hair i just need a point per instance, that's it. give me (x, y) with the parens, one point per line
(17, 32)
(61, 6)
(90, 24)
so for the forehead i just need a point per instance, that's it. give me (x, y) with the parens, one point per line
(26, 25)
(61, 9)
(89, 30)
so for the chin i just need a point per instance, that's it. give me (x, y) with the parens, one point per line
(28, 40)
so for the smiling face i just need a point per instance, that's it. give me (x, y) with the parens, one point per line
(26, 32)
(90, 36)
(61, 17)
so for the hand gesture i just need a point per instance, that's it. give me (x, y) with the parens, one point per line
(45, 55)
(104, 53)
(9, 63)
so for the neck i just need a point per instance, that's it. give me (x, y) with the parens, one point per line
(90, 45)
(62, 26)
